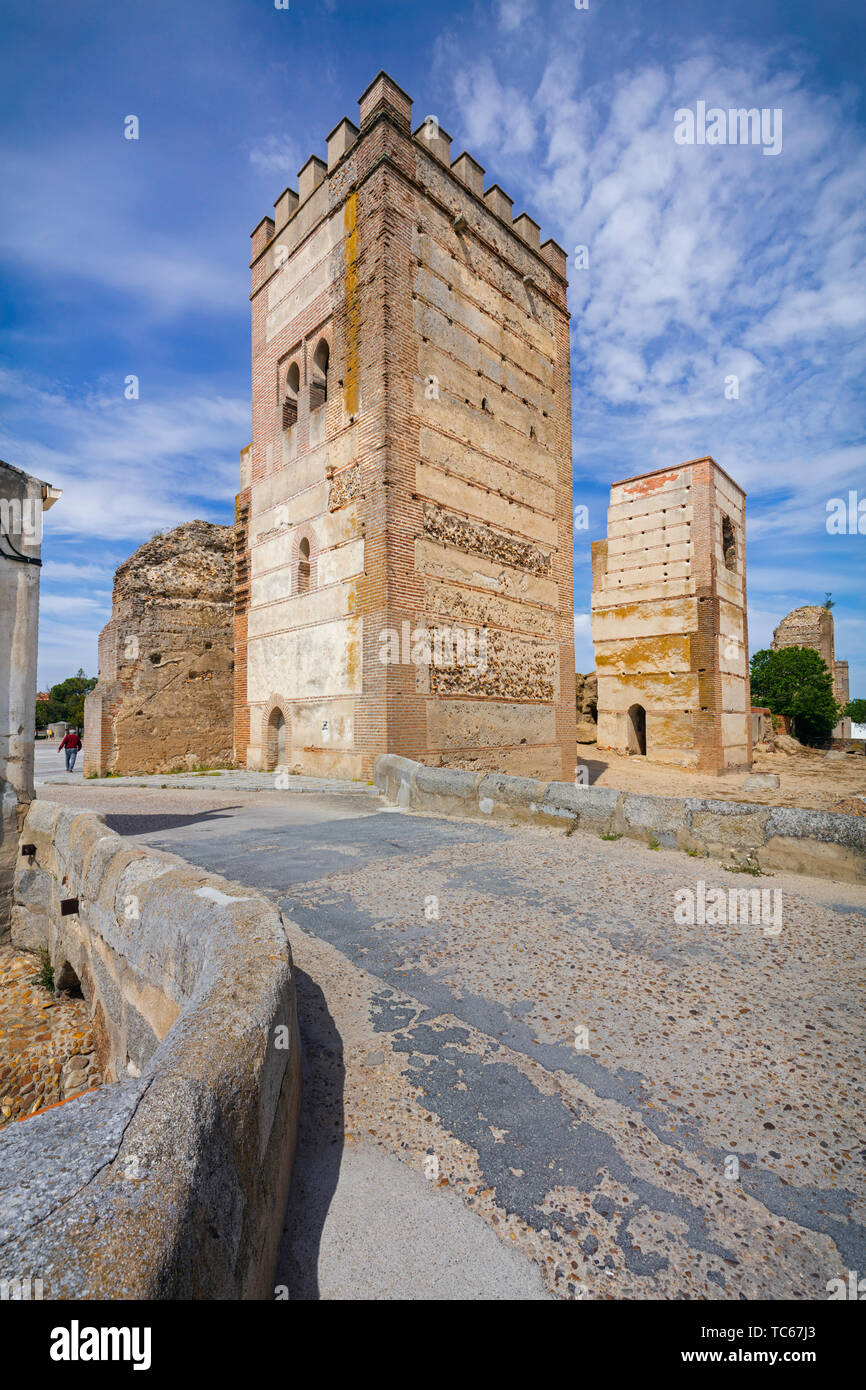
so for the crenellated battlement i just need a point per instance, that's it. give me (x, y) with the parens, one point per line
(385, 99)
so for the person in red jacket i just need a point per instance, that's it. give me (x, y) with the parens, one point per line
(71, 744)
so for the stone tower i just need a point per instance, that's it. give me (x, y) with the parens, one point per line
(164, 697)
(404, 526)
(669, 619)
(812, 626)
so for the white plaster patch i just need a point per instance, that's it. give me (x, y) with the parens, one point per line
(216, 896)
(486, 805)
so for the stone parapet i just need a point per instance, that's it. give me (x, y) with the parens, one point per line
(821, 843)
(172, 1182)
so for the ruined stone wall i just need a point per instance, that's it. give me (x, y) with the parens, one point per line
(22, 502)
(164, 697)
(433, 487)
(669, 620)
(812, 626)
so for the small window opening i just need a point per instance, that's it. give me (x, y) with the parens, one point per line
(290, 398)
(319, 384)
(304, 567)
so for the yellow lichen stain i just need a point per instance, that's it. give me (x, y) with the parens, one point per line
(350, 255)
(636, 655)
(353, 656)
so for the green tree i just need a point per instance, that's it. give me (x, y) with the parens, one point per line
(856, 710)
(796, 682)
(66, 700)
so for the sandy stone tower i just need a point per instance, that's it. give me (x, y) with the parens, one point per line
(812, 626)
(410, 467)
(669, 619)
(164, 694)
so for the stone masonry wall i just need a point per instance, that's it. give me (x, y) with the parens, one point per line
(669, 620)
(812, 626)
(165, 692)
(432, 486)
(170, 1180)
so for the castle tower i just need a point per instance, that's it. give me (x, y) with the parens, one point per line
(410, 468)
(669, 619)
(812, 626)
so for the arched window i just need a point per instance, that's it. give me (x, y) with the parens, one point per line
(304, 567)
(319, 383)
(290, 397)
(729, 543)
(277, 740)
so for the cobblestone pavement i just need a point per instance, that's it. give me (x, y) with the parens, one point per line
(638, 1106)
(47, 1047)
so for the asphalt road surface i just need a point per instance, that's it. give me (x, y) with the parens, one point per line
(524, 1077)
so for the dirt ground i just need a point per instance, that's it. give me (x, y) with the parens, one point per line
(806, 779)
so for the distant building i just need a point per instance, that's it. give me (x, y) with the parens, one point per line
(669, 619)
(812, 626)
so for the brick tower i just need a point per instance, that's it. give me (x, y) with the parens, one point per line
(669, 619)
(410, 468)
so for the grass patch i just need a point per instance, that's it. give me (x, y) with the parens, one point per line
(748, 866)
(654, 843)
(45, 973)
(611, 835)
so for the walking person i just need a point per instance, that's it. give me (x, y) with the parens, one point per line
(71, 744)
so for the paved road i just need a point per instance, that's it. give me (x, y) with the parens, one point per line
(463, 1136)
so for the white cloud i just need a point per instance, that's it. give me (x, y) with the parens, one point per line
(513, 14)
(276, 154)
(127, 468)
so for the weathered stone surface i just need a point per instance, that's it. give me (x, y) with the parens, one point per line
(596, 804)
(810, 842)
(812, 626)
(761, 781)
(669, 619)
(659, 815)
(447, 781)
(786, 743)
(514, 791)
(184, 1197)
(23, 499)
(817, 825)
(165, 691)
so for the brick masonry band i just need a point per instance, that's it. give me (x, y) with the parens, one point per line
(821, 843)
(171, 1182)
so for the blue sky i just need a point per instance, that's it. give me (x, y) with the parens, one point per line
(705, 262)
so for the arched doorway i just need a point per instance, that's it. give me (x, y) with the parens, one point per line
(278, 752)
(637, 730)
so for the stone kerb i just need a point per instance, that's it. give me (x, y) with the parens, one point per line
(170, 1182)
(821, 843)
